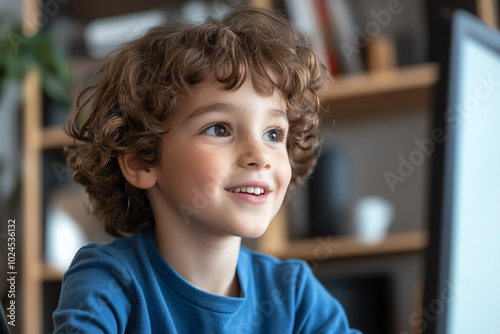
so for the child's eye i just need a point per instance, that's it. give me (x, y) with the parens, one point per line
(274, 135)
(217, 130)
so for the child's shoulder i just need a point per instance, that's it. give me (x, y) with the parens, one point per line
(118, 253)
(116, 246)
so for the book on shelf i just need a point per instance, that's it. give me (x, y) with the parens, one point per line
(304, 19)
(342, 16)
(328, 26)
(321, 9)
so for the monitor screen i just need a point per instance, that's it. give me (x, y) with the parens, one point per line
(463, 270)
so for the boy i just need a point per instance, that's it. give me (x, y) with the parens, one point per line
(190, 138)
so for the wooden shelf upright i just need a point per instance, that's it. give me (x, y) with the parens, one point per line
(31, 305)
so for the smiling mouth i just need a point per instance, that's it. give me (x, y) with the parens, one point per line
(248, 190)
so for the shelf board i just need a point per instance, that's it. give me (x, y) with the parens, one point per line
(363, 85)
(324, 248)
(359, 94)
(54, 137)
(50, 273)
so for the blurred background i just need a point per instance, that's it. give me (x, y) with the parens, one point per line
(360, 220)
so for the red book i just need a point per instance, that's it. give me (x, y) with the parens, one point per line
(322, 12)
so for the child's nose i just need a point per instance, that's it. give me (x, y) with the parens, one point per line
(253, 154)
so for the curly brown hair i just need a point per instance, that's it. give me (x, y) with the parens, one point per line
(143, 82)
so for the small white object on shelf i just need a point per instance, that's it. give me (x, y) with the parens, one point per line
(69, 226)
(372, 216)
(64, 239)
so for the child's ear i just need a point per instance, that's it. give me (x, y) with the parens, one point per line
(135, 172)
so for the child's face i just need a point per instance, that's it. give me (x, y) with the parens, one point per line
(219, 142)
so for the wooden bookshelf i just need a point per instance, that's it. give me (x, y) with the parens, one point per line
(390, 81)
(382, 92)
(326, 248)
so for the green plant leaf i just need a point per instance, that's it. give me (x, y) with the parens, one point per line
(18, 53)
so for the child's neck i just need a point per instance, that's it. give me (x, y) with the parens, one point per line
(208, 264)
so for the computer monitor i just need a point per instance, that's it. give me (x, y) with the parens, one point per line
(462, 287)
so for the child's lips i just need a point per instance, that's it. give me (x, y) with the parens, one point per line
(249, 198)
(253, 192)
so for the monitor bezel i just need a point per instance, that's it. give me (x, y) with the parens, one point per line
(456, 27)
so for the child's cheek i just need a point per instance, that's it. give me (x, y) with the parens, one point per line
(207, 168)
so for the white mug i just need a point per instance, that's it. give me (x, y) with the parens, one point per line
(372, 217)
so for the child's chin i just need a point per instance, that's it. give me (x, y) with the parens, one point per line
(252, 235)
(255, 232)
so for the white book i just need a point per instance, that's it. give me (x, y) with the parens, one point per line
(305, 21)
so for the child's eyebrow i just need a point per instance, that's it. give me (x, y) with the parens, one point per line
(229, 108)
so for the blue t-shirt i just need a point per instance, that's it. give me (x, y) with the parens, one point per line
(127, 286)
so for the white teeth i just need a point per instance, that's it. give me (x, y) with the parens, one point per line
(248, 190)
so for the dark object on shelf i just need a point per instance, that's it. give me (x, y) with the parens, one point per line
(329, 193)
(366, 301)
